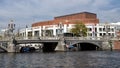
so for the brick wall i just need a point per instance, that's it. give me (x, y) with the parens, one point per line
(116, 45)
(84, 17)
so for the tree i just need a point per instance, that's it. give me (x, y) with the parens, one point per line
(79, 29)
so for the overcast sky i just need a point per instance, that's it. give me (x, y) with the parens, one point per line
(26, 12)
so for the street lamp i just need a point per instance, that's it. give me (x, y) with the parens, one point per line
(26, 32)
(43, 31)
(106, 29)
(60, 27)
(93, 31)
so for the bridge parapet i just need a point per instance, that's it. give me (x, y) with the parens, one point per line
(49, 38)
(83, 38)
(72, 38)
(38, 38)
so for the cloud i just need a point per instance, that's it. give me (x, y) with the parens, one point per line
(25, 12)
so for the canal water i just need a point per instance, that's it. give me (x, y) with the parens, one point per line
(83, 59)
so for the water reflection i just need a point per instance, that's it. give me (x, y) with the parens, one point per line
(85, 59)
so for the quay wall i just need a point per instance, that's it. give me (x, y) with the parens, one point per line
(116, 45)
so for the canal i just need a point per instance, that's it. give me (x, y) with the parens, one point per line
(83, 59)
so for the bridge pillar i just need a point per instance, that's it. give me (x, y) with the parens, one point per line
(60, 46)
(11, 48)
(106, 45)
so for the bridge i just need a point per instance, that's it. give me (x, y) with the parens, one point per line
(14, 45)
(57, 43)
(48, 44)
(85, 43)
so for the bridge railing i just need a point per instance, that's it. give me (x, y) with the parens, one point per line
(5, 39)
(83, 38)
(56, 38)
(38, 38)
(69, 38)
(49, 38)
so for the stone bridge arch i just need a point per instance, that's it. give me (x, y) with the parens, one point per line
(86, 43)
(98, 45)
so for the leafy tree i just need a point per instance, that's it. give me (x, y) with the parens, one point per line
(79, 29)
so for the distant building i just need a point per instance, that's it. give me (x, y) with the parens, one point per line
(63, 24)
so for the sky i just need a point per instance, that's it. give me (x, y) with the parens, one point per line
(26, 12)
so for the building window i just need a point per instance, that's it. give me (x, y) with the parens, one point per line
(90, 29)
(100, 29)
(113, 34)
(89, 34)
(103, 29)
(100, 34)
(104, 34)
(109, 29)
(36, 33)
(96, 35)
(112, 29)
(109, 34)
(95, 29)
(30, 34)
(49, 32)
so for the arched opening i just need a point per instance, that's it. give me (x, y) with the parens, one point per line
(88, 47)
(49, 46)
(27, 49)
(2, 50)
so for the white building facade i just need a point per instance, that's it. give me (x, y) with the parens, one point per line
(94, 30)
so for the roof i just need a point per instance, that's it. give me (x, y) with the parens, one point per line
(75, 14)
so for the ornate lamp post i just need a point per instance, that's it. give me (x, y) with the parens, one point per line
(93, 32)
(26, 32)
(107, 30)
(60, 28)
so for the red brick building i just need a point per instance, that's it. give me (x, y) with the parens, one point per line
(85, 17)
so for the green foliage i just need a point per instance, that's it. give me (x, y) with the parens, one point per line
(79, 29)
